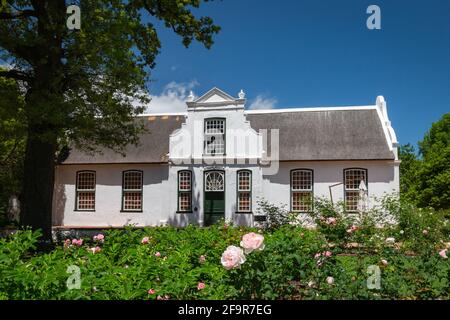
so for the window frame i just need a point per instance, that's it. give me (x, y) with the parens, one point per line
(311, 191)
(353, 190)
(77, 191)
(179, 192)
(223, 137)
(132, 191)
(249, 191)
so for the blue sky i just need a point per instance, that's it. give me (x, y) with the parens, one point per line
(303, 53)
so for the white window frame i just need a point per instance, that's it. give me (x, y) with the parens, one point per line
(214, 130)
(302, 190)
(79, 190)
(126, 191)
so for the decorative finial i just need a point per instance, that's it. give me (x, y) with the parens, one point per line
(191, 96)
(241, 94)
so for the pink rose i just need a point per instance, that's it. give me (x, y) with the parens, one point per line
(158, 254)
(201, 286)
(330, 280)
(232, 257)
(331, 221)
(252, 241)
(353, 228)
(443, 253)
(95, 249)
(202, 259)
(145, 240)
(317, 255)
(77, 242)
(151, 291)
(100, 237)
(327, 253)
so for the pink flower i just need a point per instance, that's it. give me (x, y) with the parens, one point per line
(145, 240)
(330, 280)
(100, 237)
(331, 221)
(317, 255)
(327, 253)
(95, 249)
(151, 291)
(67, 243)
(77, 242)
(201, 286)
(443, 253)
(232, 257)
(384, 262)
(158, 254)
(353, 228)
(252, 241)
(202, 259)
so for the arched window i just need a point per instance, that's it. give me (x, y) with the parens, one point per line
(352, 192)
(132, 181)
(85, 191)
(302, 190)
(184, 191)
(244, 191)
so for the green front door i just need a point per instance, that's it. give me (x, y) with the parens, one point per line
(214, 197)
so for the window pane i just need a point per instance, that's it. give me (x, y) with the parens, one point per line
(86, 200)
(302, 180)
(184, 180)
(184, 201)
(86, 181)
(351, 200)
(302, 201)
(353, 178)
(244, 181)
(214, 136)
(132, 201)
(132, 180)
(244, 201)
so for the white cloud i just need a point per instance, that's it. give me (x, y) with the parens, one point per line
(172, 98)
(263, 102)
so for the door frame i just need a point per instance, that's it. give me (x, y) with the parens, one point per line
(204, 191)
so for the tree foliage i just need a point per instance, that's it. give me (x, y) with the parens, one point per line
(84, 86)
(426, 180)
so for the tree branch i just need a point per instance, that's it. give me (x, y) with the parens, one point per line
(15, 74)
(17, 14)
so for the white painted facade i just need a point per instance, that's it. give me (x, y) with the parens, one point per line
(244, 149)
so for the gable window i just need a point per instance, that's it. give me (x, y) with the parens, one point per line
(85, 191)
(214, 143)
(132, 190)
(301, 190)
(184, 191)
(244, 191)
(352, 192)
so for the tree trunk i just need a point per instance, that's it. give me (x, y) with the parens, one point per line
(38, 181)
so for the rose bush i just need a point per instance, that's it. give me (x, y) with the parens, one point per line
(229, 262)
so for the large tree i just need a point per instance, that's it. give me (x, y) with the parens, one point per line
(433, 176)
(80, 85)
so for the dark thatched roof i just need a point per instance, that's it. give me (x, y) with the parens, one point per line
(304, 135)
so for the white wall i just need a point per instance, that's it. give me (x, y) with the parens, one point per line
(160, 191)
(383, 178)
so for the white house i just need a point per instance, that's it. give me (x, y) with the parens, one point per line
(217, 159)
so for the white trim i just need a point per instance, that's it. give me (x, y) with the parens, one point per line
(312, 109)
(163, 114)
